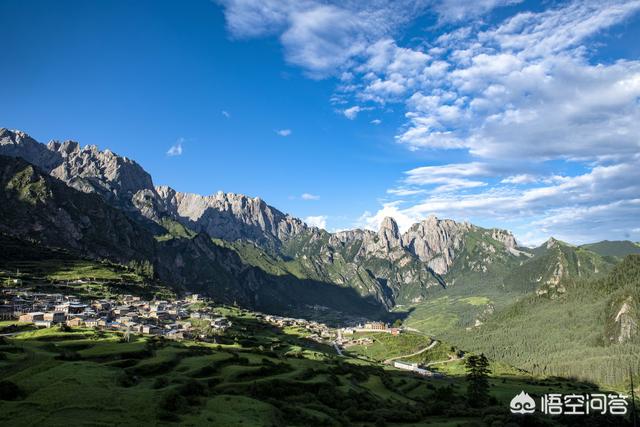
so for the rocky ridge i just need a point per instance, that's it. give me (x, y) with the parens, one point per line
(385, 264)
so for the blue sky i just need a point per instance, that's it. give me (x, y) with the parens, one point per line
(520, 115)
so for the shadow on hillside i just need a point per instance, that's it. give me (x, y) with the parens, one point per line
(205, 272)
(267, 367)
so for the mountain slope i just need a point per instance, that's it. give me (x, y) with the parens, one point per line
(125, 184)
(618, 249)
(39, 208)
(590, 330)
(387, 267)
(555, 261)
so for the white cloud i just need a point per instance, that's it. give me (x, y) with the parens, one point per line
(376, 121)
(325, 37)
(176, 149)
(526, 89)
(319, 221)
(603, 203)
(284, 132)
(517, 99)
(403, 191)
(520, 179)
(458, 10)
(309, 196)
(352, 112)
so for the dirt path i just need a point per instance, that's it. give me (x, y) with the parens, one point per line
(429, 347)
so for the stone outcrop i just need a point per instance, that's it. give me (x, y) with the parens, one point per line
(230, 216)
(436, 241)
(125, 184)
(87, 169)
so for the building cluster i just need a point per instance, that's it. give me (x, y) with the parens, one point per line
(318, 331)
(130, 314)
(368, 327)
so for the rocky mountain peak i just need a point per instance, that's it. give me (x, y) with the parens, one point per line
(389, 225)
(86, 169)
(389, 234)
(230, 216)
(505, 237)
(436, 241)
(15, 143)
(551, 243)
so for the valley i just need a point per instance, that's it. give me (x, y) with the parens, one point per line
(557, 318)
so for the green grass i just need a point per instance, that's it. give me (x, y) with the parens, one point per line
(570, 334)
(476, 300)
(278, 378)
(385, 345)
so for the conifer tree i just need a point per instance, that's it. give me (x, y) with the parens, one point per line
(478, 380)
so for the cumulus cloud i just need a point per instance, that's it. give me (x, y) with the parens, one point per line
(326, 37)
(176, 149)
(319, 221)
(526, 88)
(309, 196)
(517, 98)
(603, 203)
(284, 132)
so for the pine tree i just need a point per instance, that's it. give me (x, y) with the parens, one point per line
(478, 380)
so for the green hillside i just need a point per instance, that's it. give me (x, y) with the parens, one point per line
(483, 281)
(257, 375)
(32, 266)
(619, 248)
(571, 329)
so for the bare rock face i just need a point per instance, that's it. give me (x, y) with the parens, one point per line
(389, 234)
(436, 241)
(86, 169)
(625, 321)
(19, 144)
(505, 237)
(126, 185)
(89, 169)
(230, 216)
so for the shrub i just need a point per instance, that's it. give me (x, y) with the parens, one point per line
(10, 391)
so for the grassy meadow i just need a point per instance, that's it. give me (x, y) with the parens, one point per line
(255, 375)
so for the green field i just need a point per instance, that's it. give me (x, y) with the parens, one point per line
(257, 375)
(385, 345)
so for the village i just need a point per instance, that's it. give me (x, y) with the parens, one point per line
(172, 319)
(177, 319)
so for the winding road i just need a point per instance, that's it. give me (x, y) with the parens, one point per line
(427, 348)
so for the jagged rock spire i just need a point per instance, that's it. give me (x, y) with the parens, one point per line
(389, 233)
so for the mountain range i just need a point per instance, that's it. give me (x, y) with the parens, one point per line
(239, 249)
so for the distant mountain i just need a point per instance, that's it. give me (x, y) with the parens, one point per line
(555, 261)
(242, 233)
(615, 248)
(123, 183)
